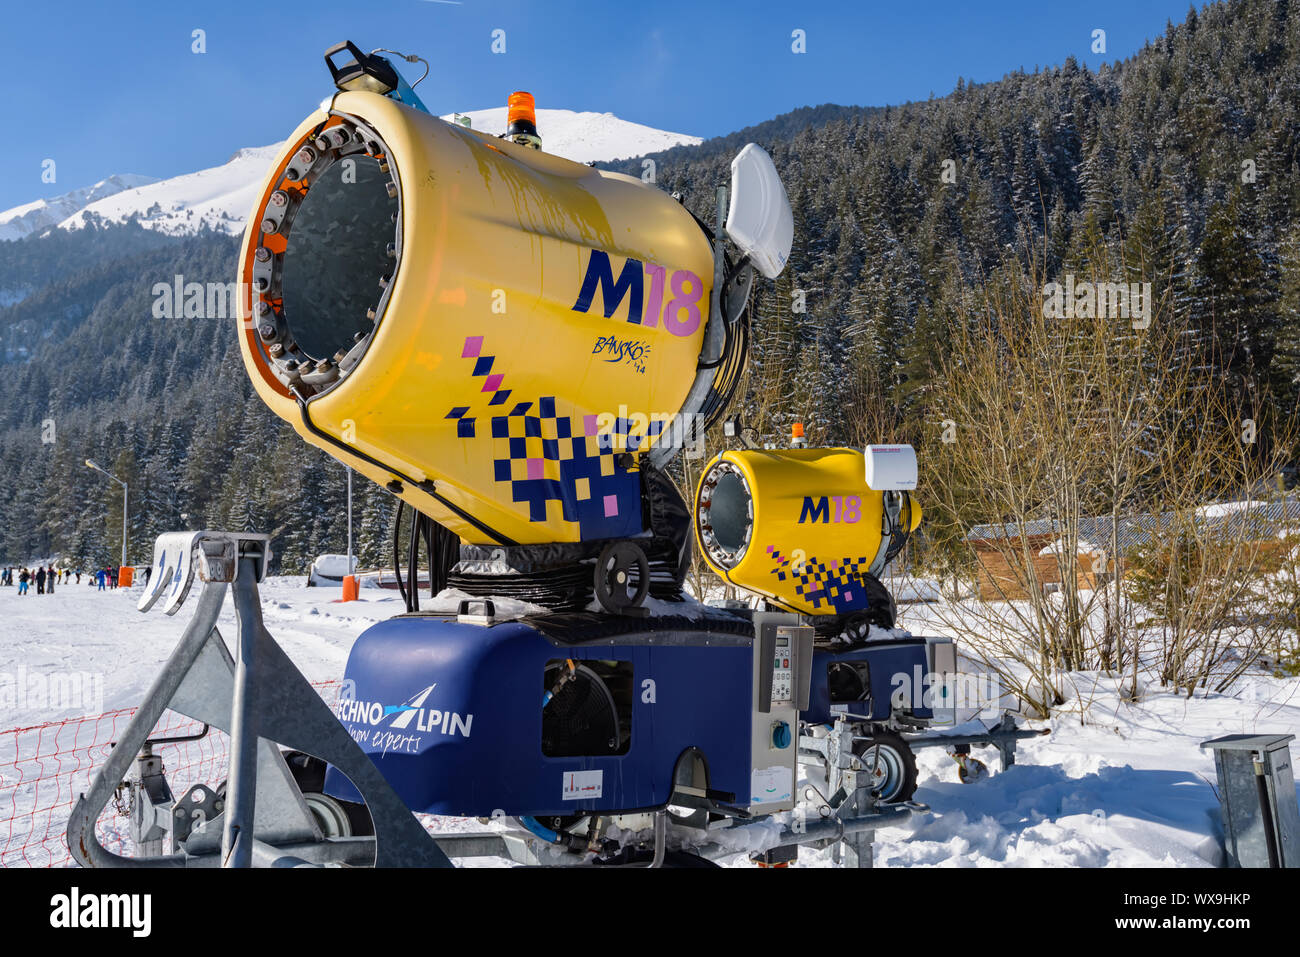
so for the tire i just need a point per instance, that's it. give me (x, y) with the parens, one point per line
(335, 818)
(895, 765)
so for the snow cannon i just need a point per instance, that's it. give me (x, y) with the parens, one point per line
(810, 530)
(516, 345)
(502, 337)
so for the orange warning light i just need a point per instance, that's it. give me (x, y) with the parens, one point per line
(521, 107)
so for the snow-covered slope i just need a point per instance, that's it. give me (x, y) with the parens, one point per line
(219, 198)
(43, 213)
(586, 137)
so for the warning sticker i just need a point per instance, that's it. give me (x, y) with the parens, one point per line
(581, 785)
(771, 784)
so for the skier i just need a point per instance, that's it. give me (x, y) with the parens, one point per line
(40, 579)
(78, 576)
(148, 571)
(100, 576)
(22, 582)
(49, 578)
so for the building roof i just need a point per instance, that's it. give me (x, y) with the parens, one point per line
(1262, 520)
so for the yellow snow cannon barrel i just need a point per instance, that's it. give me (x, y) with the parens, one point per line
(802, 527)
(486, 329)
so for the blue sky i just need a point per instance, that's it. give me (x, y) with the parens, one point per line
(115, 88)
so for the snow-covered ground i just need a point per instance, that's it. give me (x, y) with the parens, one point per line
(1127, 786)
(79, 630)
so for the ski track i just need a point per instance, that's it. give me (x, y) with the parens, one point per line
(1130, 787)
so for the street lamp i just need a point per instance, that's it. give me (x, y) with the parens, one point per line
(97, 468)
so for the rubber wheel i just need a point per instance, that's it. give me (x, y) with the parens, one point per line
(894, 766)
(309, 774)
(622, 577)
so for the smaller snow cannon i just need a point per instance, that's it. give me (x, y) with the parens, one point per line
(804, 529)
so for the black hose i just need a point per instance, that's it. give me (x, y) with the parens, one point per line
(413, 563)
(426, 486)
(441, 552)
(397, 552)
(898, 533)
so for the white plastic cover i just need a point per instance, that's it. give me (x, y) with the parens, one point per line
(333, 566)
(759, 220)
(891, 468)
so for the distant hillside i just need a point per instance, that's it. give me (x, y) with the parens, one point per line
(778, 128)
(42, 214)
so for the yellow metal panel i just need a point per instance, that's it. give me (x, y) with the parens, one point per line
(486, 224)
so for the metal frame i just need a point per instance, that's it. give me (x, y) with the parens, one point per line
(263, 820)
(1002, 736)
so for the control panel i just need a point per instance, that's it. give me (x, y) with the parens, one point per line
(782, 674)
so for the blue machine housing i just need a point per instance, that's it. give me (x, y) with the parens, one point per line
(451, 712)
(888, 663)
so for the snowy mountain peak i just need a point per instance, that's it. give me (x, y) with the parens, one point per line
(43, 213)
(219, 198)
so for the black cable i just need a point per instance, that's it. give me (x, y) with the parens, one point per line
(446, 553)
(898, 534)
(413, 562)
(397, 552)
(425, 486)
(441, 551)
(426, 536)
